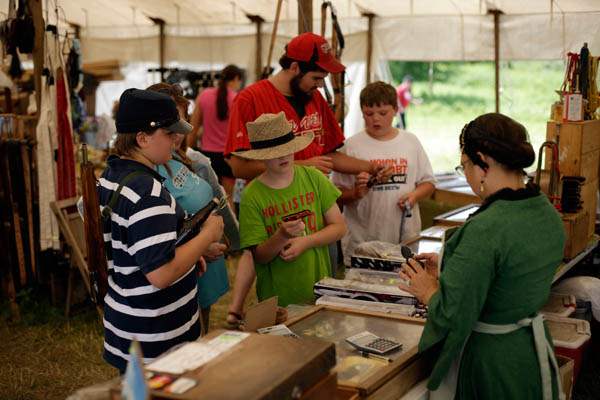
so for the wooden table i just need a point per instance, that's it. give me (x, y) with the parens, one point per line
(564, 267)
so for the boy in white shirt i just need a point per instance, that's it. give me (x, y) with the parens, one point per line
(374, 213)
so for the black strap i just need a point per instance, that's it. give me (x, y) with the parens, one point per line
(265, 144)
(112, 202)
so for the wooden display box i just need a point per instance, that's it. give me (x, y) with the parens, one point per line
(576, 231)
(264, 367)
(367, 378)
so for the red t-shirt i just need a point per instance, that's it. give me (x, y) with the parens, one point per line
(262, 97)
(404, 97)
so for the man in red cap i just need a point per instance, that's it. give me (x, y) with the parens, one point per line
(307, 61)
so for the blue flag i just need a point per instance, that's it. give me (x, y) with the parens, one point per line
(134, 382)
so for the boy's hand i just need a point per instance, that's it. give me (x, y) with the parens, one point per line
(214, 224)
(322, 163)
(360, 186)
(291, 229)
(409, 198)
(201, 266)
(295, 247)
(214, 251)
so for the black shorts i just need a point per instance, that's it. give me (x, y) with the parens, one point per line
(217, 161)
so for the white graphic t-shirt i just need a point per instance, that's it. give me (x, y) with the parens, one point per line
(377, 215)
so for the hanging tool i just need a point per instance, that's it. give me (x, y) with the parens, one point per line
(267, 70)
(554, 172)
(337, 80)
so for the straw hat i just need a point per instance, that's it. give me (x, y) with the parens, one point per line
(271, 137)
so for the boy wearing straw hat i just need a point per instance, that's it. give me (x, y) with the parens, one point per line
(288, 214)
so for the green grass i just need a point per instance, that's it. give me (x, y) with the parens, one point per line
(462, 91)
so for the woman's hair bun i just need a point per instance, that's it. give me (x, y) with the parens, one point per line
(500, 137)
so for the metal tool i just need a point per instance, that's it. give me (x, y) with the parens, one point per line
(406, 213)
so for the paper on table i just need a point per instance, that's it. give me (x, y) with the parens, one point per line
(195, 354)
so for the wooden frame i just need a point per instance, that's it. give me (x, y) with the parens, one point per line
(445, 219)
(392, 380)
(67, 223)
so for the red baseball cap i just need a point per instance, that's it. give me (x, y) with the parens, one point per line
(302, 48)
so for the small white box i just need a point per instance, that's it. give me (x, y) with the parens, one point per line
(573, 109)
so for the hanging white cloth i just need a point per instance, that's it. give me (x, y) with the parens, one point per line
(46, 146)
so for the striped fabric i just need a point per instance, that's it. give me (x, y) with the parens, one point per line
(139, 238)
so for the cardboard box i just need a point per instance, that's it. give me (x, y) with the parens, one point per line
(565, 367)
(576, 229)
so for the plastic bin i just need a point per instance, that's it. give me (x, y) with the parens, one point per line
(559, 305)
(571, 339)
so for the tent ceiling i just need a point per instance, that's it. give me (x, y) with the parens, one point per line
(112, 13)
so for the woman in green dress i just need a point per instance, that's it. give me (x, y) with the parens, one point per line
(496, 271)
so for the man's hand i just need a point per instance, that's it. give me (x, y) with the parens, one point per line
(214, 251)
(322, 163)
(291, 229)
(382, 173)
(295, 247)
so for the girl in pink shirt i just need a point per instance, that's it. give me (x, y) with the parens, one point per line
(212, 113)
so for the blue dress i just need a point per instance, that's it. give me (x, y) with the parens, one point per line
(192, 193)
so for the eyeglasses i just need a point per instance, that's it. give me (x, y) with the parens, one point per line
(460, 169)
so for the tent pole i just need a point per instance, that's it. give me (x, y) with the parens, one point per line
(258, 21)
(38, 49)
(305, 16)
(496, 14)
(161, 45)
(370, 17)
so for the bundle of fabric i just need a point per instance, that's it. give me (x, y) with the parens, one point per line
(377, 249)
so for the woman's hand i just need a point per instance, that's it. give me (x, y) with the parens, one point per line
(431, 262)
(421, 283)
(294, 248)
(214, 251)
(291, 229)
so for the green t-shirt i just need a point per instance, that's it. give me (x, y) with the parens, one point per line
(261, 211)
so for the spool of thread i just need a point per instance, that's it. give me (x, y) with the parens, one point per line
(570, 200)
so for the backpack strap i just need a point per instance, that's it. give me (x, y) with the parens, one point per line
(112, 202)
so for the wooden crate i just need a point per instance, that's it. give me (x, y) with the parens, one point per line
(576, 230)
(579, 148)
(576, 140)
(589, 196)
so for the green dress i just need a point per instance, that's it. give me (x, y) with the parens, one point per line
(497, 268)
(261, 211)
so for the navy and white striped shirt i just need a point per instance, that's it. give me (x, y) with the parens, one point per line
(140, 237)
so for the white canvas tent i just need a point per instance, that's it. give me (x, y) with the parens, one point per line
(213, 33)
